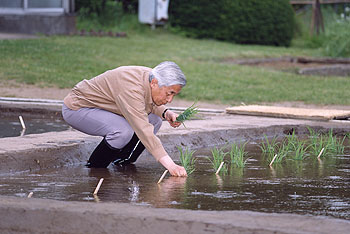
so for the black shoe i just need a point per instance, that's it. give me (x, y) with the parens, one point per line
(103, 155)
(130, 152)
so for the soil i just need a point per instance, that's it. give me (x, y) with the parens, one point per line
(318, 66)
(20, 90)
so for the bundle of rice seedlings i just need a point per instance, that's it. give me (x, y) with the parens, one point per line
(188, 114)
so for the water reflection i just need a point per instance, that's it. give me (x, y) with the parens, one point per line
(313, 186)
(11, 127)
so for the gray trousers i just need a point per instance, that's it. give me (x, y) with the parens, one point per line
(98, 122)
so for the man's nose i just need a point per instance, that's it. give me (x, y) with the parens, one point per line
(169, 99)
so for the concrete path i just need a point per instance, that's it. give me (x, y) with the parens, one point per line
(30, 215)
(7, 36)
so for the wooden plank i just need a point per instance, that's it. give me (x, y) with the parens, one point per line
(324, 60)
(289, 112)
(308, 2)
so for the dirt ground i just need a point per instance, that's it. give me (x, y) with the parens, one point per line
(14, 89)
(19, 90)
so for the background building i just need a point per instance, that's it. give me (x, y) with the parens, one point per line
(37, 16)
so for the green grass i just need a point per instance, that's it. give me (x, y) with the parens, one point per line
(63, 61)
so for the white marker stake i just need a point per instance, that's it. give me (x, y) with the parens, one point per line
(161, 178)
(273, 160)
(98, 186)
(30, 194)
(319, 155)
(22, 122)
(217, 172)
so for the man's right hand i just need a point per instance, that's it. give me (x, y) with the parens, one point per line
(174, 169)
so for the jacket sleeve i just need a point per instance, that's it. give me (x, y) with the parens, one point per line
(158, 110)
(132, 107)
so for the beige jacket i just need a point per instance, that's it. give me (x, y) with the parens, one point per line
(125, 91)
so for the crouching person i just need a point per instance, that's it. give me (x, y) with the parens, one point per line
(126, 106)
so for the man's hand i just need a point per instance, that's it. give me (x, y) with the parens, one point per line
(171, 118)
(175, 170)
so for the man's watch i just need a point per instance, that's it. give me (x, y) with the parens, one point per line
(163, 115)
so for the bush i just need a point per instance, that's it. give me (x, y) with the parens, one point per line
(268, 22)
(337, 43)
(105, 13)
(100, 6)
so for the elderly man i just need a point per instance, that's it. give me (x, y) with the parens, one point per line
(125, 106)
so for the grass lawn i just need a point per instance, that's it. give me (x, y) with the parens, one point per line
(63, 61)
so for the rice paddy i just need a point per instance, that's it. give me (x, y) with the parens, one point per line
(274, 151)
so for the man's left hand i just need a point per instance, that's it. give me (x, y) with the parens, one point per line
(171, 118)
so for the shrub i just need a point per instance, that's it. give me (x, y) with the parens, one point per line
(268, 22)
(105, 12)
(337, 42)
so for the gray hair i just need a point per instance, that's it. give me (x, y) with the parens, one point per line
(167, 74)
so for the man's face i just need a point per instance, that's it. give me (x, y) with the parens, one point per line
(165, 94)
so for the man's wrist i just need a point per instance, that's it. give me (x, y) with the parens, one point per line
(163, 115)
(166, 161)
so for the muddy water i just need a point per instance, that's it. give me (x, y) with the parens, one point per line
(10, 126)
(311, 187)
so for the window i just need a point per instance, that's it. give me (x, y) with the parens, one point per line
(44, 4)
(11, 3)
(30, 6)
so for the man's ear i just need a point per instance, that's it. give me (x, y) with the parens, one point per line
(154, 82)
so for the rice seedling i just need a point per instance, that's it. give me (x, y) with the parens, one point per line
(282, 152)
(237, 155)
(218, 157)
(269, 147)
(347, 135)
(334, 145)
(187, 159)
(317, 144)
(300, 151)
(292, 141)
(187, 114)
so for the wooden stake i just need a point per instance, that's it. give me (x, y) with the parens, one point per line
(22, 132)
(98, 186)
(217, 172)
(22, 122)
(319, 155)
(273, 160)
(30, 194)
(161, 178)
(96, 198)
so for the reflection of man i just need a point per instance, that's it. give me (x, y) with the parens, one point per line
(125, 106)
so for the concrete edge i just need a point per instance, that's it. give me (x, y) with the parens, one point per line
(49, 216)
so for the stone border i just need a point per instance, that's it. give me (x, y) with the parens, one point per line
(330, 66)
(30, 215)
